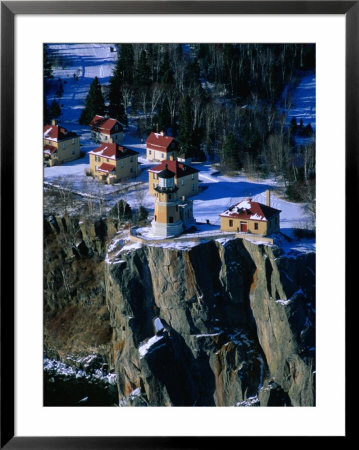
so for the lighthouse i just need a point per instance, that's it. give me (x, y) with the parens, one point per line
(167, 221)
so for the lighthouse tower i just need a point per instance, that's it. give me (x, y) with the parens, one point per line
(167, 221)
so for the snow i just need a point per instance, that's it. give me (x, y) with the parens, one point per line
(131, 247)
(158, 325)
(217, 192)
(249, 402)
(257, 217)
(284, 302)
(208, 335)
(245, 204)
(144, 348)
(60, 368)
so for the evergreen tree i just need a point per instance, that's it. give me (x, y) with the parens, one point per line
(55, 110)
(142, 71)
(166, 73)
(293, 126)
(46, 111)
(125, 64)
(116, 108)
(192, 74)
(230, 150)
(185, 131)
(60, 88)
(163, 119)
(47, 63)
(94, 103)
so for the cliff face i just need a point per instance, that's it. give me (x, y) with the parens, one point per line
(76, 319)
(217, 323)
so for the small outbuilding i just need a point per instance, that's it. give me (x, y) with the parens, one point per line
(248, 216)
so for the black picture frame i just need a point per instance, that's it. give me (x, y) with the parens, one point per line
(9, 9)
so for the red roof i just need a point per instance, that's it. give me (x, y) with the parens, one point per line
(157, 141)
(248, 210)
(105, 125)
(113, 151)
(57, 133)
(106, 167)
(178, 168)
(49, 149)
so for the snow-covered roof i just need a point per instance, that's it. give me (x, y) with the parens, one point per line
(249, 210)
(56, 133)
(157, 141)
(113, 151)
(105, 125)
(178, 168)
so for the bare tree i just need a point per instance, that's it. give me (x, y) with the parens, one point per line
(155, 95)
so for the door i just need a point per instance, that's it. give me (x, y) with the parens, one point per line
(244, 227)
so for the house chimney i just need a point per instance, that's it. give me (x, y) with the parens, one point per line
(268, 197)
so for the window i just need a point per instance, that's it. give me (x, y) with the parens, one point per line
(131, 170)
(154, 185)
(107, 160)
(73, 151)
(131, 159)
(192, 176)
(162, 155)
(255, 225)
(64, 145)
(73, 141)
(155, 218)
(230, 222)
(96, 167)
(182, 182)
(122, 164)
(149, 152)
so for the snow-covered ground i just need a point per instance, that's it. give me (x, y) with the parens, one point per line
(217, 193)
(303, 101)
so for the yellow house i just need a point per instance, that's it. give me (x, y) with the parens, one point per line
(60, 145)
(106, 129)
(160, 147)
(251, 217)
(185, 177)
(113, 163)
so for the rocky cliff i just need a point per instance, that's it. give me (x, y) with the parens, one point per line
(219, 323)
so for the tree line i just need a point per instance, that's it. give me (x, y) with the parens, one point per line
(223, 102)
